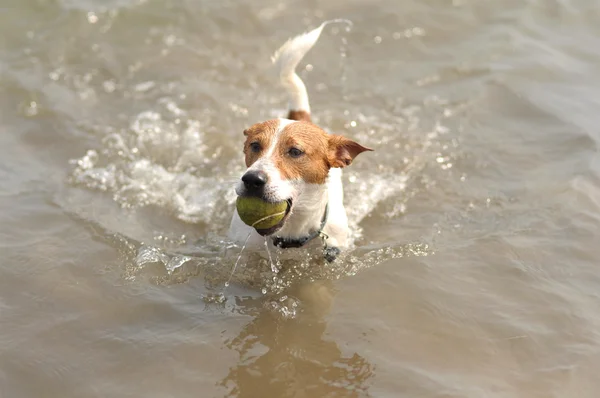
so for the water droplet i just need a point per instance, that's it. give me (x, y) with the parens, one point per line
(264, 290)
(176, 262)
(31, 109)
(227, 284)
(170, 40)
(109, 86)
(418, 31)
(92, 17)
(145, 86)
(214, 298)
(54, 75)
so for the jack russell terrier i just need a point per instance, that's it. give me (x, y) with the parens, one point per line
(296, 161)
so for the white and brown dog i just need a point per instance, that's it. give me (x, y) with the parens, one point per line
(294, 160)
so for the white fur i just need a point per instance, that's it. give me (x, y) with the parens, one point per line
(277, 189)
(286, 60)
(282, 125)
(309, 205)
(309, 200)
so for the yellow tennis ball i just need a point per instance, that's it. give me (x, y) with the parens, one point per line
(260, 214)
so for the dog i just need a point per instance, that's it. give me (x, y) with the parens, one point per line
(291, 159)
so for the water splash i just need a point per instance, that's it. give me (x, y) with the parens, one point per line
(175, 262)
(284, 306)
(214, 298)
(273, 266)
(237, 261)
(161, 160)
(340, 20)
(151, 254)
(165, 158)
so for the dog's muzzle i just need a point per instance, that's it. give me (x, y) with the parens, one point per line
(255, 182)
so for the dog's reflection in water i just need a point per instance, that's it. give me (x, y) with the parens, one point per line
(291, 357)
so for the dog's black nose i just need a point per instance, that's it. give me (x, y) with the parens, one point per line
(254, 180)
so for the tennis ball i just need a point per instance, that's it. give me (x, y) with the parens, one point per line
(260, 214)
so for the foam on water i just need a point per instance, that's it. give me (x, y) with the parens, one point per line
(156, 162)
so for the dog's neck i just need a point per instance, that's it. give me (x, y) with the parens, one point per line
(307, 212)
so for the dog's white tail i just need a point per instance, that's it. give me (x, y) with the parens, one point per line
(286, 59)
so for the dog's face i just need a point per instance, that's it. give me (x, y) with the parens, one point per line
(286, 157)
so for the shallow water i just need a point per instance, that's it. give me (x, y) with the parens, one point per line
(474, 272)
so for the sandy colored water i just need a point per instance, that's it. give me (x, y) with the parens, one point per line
(475, 221)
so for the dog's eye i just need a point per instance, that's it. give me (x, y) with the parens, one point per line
(255, 147)
(295, 152)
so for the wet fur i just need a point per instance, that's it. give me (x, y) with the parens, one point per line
(311, 181)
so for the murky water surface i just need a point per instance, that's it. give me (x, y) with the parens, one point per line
(475, 221)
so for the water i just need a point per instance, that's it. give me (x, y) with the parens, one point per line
(474, 271)
(237, 261)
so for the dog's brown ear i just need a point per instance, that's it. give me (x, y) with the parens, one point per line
(342, 151)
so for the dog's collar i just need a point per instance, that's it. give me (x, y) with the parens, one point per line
(287, 243)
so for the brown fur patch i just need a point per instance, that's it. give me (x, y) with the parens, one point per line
(321, 151)
(312, 166)
(299, 115)
(263, 134)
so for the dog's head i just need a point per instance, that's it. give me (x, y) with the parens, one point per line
(286, 158)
